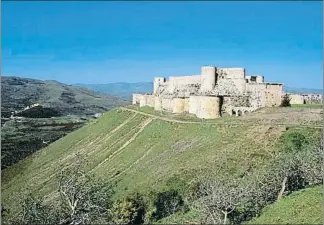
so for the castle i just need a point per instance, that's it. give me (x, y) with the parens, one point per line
(212, 93)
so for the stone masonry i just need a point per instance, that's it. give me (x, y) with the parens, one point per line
(212, 93)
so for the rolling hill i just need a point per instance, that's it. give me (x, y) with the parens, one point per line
(143, 150)
(63, 109)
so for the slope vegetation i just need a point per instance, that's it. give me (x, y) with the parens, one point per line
(143, 152)
(301, 207)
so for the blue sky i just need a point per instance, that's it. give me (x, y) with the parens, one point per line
(103, 42)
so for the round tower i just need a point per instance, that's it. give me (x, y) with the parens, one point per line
(208, 78)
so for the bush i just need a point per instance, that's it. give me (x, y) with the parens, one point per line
(285, 101)
(167, 203)
(130, 210)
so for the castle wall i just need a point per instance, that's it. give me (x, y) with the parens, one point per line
(178, 105)
(157, 103)
(257, 94)
(186, 105)
(167, 104)
(209, 107)
(296, 99)
(194, 104)
(237, 75)
(136, 98)
(273, 95)
(208, 78)
(313, 99)
(147, 100)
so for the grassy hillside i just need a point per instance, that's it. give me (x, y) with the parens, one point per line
(17, 93)
(142, 153)
(66, 108)
(301, 207)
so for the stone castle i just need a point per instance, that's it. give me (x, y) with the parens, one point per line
(214, 92)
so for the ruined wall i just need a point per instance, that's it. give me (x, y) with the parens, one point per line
(296, 99)
(209, 107)
(257, 94)
(178, 105)
(136, 99)
(273, 95)
(147, 100)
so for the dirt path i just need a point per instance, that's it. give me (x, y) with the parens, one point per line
(217, 123)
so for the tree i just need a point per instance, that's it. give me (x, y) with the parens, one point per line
(34, 211)
(219, 199)
(285, 101)
(83, 198)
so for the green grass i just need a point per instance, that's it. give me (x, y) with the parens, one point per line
(301, 207)
(143, 160)
(312, 106)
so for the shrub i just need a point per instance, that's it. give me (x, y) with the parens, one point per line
(130, 210)
(167, 203)
(285, 101)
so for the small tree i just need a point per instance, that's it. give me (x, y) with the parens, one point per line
(83, 199)
(285, 101)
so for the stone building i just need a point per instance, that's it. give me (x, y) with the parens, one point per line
(212, 93)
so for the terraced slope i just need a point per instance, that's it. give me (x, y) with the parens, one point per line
(143, 152)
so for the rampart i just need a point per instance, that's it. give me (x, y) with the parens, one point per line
(212, 93)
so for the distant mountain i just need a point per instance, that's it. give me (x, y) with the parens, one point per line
(125, 90)
(303, 90)
(121, 89)
(63, 109)
(17, 93)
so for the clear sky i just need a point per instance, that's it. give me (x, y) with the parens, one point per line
(103, 42)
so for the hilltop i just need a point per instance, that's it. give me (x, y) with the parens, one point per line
(17, 93)
(63, 108)
(144, 151)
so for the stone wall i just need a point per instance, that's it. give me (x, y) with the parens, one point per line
(167, 104)
(296, 99)
(208, 108)
(158, 103)
(313, 99)
(147, 100)
(257, 94)
(194, 104)
(136, 99)
(273, 95)
(178, 105)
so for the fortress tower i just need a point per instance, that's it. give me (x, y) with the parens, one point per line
(208, 78)
(157, 82)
